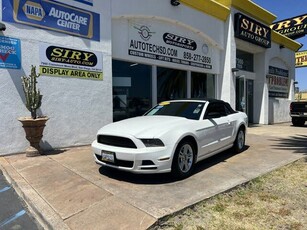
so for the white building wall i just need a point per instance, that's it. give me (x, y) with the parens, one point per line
(226, 83)
(279, 107)
(162, 16)
(76, 107)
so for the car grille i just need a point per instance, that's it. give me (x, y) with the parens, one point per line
(121, 163)
(116, 141)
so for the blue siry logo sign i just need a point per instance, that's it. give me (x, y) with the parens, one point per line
(54, 16)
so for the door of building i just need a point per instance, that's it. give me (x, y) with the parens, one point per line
(245, 96)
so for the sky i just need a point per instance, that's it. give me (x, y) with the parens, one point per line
(284, 9)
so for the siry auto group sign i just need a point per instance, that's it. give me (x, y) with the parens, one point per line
(54, 16)
(252, 31)
(295, 27)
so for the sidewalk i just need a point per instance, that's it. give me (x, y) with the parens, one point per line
(68, 190)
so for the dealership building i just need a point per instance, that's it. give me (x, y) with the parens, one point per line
(102, 61)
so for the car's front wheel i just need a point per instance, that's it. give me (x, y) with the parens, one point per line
(183, 161)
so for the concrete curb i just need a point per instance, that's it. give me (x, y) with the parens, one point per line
(42, 212)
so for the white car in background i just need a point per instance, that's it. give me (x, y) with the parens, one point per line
(171, 137)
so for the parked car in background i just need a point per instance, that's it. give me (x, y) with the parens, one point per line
(298, 113)
(171, 137)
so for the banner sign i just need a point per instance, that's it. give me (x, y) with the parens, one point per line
(10, 53)
(278, 82)
(252, 31)
(301, 59)
(88, 2)
(53, 16)
(66, 62)
(295, 27)
(157, 41)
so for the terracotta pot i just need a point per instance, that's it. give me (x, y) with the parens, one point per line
(34, 132)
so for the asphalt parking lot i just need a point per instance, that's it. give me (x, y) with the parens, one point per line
(69, 191)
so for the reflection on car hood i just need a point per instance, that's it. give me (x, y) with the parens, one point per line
(145, 126)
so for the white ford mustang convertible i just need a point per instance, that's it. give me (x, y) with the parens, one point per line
(171, 137)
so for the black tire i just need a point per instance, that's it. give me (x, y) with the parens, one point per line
(239, 143)
(183, 160)
(298, 122)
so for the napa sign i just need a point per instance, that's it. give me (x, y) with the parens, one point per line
(51, 15)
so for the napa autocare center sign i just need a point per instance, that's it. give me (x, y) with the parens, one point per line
(58, 61)
(10, 53)
(278, 82)
(87, 2)
(164, 43)
(301, 59)
(52, 15)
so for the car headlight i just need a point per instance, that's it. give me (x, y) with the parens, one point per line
(152, 142)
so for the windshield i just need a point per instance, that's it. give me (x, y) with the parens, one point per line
(190, 110)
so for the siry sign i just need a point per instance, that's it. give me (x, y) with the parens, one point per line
(59, 61)
(252, 31)
(54, 16)
(301, 59)
(295, 27)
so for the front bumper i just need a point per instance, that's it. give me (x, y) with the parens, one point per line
(141, 160)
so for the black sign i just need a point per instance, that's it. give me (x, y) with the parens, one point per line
(278, 71)
(295, 27)
(182, 42)
(71, 56)
(252, 31)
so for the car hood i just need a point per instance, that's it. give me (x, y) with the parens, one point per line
(145, 126)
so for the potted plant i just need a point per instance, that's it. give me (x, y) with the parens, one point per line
(34, 125)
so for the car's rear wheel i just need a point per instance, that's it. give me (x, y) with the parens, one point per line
(183, 161)
(297, 121)
(240, 141)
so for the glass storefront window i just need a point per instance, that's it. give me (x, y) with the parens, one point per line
(202, 85)
(171, 84)
(131, 89)
(245, 61)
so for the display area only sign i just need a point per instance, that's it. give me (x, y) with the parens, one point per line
(67, 62)
(163, 43)
(51, 15)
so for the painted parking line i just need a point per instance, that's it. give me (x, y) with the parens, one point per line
(12, 218)
(4, 189)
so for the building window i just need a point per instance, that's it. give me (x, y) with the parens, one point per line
(245, 61)
(131, 89)
(203, 85)
(171, 84)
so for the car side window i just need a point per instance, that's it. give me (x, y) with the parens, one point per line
(215, 110)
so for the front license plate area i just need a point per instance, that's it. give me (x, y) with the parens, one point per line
(107, 156)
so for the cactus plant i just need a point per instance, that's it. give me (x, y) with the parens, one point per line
(32, 93)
